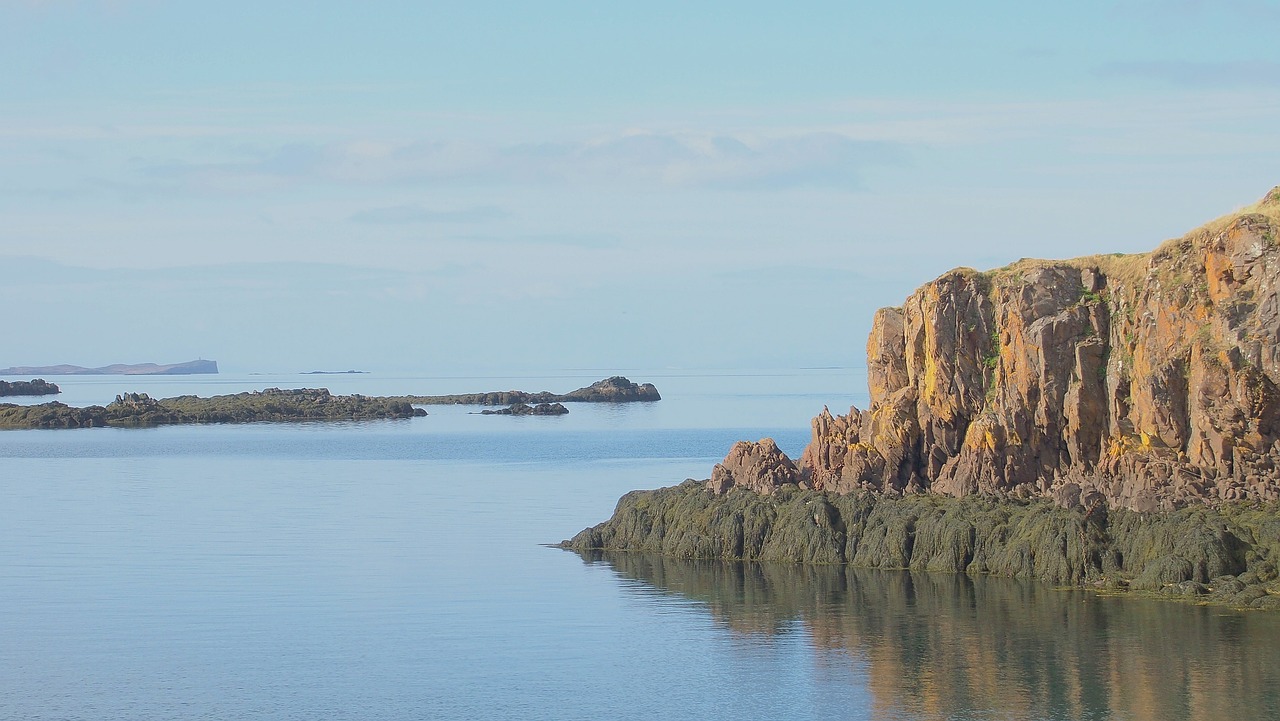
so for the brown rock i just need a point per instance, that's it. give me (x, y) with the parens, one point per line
(1153, 378)
(760, 466)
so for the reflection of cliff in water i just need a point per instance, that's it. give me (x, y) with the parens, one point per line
(949, 646)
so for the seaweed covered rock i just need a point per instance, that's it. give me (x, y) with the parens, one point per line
(1225, 555)
(51, 415)
(524, 409)
(272, 404)
(34, 387)
(616, 389)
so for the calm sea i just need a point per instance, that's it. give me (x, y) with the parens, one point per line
(395, 570)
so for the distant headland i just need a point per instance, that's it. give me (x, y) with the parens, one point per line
(195, 367)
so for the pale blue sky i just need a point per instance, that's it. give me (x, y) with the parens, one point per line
(430, 186)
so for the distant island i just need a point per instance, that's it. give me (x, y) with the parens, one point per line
(195, 367)
(37, 387)
(330, 373)
(616, 389)
(270, 405)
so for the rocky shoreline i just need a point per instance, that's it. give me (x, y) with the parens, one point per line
(1226, 555)
(1110, 421)
(270, 405)
(303, 404)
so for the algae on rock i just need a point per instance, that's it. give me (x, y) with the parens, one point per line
(1229, 553)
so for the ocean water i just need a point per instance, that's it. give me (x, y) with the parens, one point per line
(398, 570)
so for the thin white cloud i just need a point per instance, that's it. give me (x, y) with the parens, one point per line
(817, 159)
(1224, 74)
(406, 214)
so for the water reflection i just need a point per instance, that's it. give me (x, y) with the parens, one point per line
(949, 647)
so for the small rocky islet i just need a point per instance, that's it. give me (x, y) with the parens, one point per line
(615, 389)
(301, 404)
(34, 387)
(1110, 421)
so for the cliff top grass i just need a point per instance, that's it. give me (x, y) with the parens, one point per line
(1133, 268)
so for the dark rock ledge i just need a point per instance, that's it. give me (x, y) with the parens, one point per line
(272, 404)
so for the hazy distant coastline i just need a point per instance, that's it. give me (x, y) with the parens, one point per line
(195, 367)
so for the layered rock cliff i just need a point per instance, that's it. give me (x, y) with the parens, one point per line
(1146, 381)
(1029, 421)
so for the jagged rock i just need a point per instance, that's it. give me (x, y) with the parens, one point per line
(761, 467)
(1148, 380)
(524, 409)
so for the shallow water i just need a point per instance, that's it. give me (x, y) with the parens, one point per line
(394, 570)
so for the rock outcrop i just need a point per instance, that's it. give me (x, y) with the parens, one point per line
(524, 409)
(761, 467)
(1147, 381)
(1110, 421)
(616, 389)
(35, 387)
(270, 405)
(1226, 555)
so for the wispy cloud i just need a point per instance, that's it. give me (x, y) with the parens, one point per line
(570, 240)
(822, 159)
(1200, 74)
(406, 214)
(1246, 9)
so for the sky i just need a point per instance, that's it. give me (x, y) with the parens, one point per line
(445, 187)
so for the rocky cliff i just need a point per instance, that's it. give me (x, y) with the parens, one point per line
(1145, 381)
(1111, 421)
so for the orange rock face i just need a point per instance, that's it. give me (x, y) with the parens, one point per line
(760, 466)
(1146, 380)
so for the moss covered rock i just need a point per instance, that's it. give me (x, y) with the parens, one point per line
(1224, 555)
